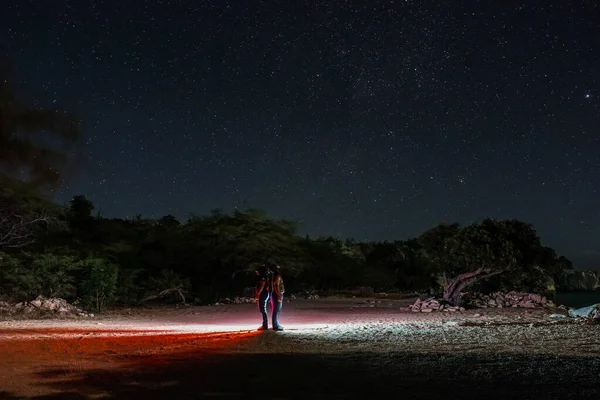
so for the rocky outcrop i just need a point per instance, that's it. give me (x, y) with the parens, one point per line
(492, 300)
(433, 304)
(44, 304)
(578, 280)
(510, 299)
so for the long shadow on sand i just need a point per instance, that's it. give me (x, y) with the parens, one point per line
(405, 376)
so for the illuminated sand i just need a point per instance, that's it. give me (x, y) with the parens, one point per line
(340, 344)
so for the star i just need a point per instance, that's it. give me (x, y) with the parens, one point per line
(233, 105)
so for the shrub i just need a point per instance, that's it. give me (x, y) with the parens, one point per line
(47, 274)
(99, 283)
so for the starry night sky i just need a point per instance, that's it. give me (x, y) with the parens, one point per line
(367, 119)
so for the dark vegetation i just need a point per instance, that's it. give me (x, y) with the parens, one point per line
(70, 252)
(102, 261)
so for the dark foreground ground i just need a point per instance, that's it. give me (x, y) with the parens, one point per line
(335, 377)
(361, 354)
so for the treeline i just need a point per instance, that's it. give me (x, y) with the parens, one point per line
(100, 261)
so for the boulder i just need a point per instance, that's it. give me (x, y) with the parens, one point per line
(51, 304)
(478, 300)
(574, 280)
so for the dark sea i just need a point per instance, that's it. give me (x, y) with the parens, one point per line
(578, 299)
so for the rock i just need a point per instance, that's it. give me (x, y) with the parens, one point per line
(535, 298)
(28, 309)
(51, 304)
(573, 280)
(479, 300)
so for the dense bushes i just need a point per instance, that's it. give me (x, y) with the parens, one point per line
(101, 261)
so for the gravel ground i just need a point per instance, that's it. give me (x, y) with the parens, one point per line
(331, 348)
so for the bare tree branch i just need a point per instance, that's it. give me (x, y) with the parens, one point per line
(19, 228)
(163, 293)
(453, 287)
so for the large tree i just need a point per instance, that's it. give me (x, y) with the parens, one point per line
(33, 140)
(479, 251)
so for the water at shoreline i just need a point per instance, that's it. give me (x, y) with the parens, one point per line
(577, 299)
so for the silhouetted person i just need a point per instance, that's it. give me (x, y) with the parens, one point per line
(269, 286)
(277, 290)
(262, 293)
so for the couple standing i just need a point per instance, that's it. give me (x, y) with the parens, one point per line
(270, 285)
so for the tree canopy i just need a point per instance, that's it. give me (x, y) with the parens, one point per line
(34, 141)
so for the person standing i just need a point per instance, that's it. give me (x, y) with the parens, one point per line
(277, 290)
(262, 293)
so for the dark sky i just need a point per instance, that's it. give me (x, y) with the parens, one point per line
(373, 120)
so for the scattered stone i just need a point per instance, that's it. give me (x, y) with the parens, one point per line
(236, 300)
(49, 304)
(511, 299)
(246, 300)
(428, 305)
(478, 300)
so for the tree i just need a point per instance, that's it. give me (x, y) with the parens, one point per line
(33, 140)
(80, 208)
(405, 260)
(19, 227)
(479, 251)
(99, 283)
(28, 275)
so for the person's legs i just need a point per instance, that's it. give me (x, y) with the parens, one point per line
(262, 307)
(276, 305)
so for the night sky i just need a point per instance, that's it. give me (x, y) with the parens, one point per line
(371, 119)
